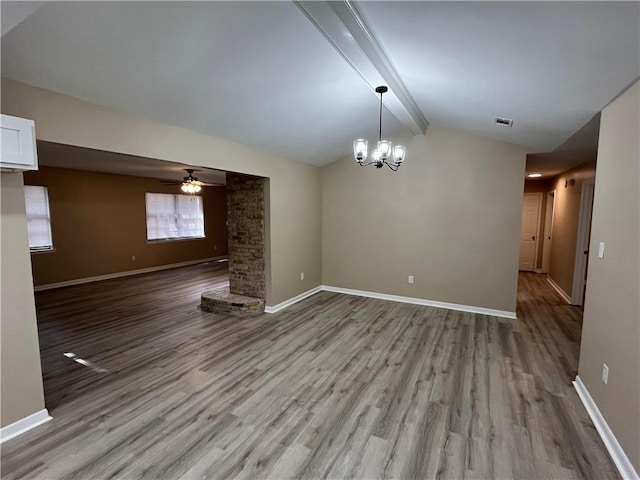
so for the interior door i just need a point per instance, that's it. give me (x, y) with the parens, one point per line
(529, 231)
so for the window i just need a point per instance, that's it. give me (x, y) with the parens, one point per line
(38, 219)
(173, 217)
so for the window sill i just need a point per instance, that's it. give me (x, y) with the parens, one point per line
(171, 240)
(43, 250)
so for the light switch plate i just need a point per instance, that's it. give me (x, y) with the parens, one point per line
(601, 250)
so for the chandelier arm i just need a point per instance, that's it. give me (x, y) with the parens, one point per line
(392, 167)
(363, 164)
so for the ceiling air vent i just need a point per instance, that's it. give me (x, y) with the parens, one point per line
(505, 122)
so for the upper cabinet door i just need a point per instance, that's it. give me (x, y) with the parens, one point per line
(18, 144)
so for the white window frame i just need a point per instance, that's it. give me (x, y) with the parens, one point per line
(43, 215)
(185, 226)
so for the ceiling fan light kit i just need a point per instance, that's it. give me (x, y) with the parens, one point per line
(190, 183)
(385, 153)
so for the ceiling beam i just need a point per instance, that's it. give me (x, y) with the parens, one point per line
(343, 25)
(14, 13)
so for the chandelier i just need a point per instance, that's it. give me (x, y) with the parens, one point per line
(190, 184)
(385, 153)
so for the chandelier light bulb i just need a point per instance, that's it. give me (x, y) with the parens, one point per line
(384, 147)
(360, 150)
(398, 154)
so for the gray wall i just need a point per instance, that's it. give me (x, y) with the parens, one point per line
(611, 328)
(450, 217)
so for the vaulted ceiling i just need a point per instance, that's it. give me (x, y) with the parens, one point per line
(262, 74)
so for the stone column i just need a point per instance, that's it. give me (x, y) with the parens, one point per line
(246, 234)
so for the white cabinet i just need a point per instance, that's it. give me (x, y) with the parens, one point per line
(17, 144)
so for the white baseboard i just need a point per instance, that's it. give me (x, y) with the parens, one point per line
(609, 439)
(423, 301)
(393, 298)
(109, 276)
(291, 301)
(557, 288)
(24, 425)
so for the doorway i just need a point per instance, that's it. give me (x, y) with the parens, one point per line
(582, 243)
(529, 231)
(548, 231)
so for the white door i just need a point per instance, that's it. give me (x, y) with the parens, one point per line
(529, 231)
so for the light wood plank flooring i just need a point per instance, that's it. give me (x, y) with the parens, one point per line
(333, 387)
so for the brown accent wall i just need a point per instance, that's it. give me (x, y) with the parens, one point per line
(565, 225)
(246, 210)
(98, 222)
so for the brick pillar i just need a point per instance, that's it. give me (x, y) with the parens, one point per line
(246, 233)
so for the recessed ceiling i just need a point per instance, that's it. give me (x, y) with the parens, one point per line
(259, 73)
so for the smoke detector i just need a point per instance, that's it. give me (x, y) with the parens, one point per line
(505, 122)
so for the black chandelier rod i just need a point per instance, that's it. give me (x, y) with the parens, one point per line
(380, 129)
(381, 90)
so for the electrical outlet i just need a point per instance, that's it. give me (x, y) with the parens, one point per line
(605, 373)
(301, 275)
(410, 279)
(133, 258)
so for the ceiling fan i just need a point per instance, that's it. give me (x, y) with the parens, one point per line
(190, 184)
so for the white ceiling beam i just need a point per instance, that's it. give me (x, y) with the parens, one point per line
(344, 27)
(14, 13)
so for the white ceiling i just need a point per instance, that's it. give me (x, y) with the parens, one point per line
(259, 73)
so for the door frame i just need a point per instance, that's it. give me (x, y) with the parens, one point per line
(548, 231)
(536, 244)
(582, 241)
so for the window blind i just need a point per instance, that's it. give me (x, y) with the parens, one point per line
(38, 217)
(174, 216)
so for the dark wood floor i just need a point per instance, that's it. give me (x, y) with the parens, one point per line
(335, 386)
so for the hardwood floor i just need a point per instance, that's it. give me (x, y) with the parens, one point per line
(335, 386)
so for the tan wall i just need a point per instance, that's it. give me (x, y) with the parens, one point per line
(565, 224)
(21, 392)
(611, 326)
(294, 221)
(98, 221)
(293, 224)
(450, 217)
